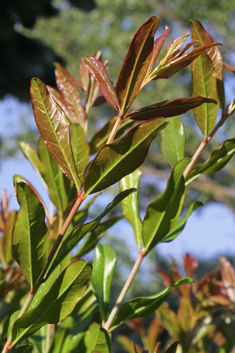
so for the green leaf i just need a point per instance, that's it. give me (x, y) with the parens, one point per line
(162, 214)
(80, 231)
(25, 348)
(200, 35)
(80, 149)
(29, 239)
(173, 140)
(7, 239)
(94, 236)
(54, 128)
(57, 303)
(53, 177)
(60, 341)
(172, 348)
(140, 307)
(181, 224)
(103, 269)
(120, 158)
(204, 83)
(31, 155)
(97, 69)
(96, 338)
(70, 94)
(217, 160)
(102, 135)
(130, 205)
(136, 62)
(168, 108)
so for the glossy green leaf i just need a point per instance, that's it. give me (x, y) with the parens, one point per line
(96, 338)
(29, 239)
(30, 154)
(94, 236)
(204, 83)
(70, 94)
(169, 108)
(179, 62)
(120, 158)
(162, 214)
(53, 177)
(60, 341)
(80, 149)
(144, 306)
(53, 127)
(181, 224)
(136, 62)
(173, 140)
(57, 303)
(97, 69)
(130, 205)
(102, 275)
(102, 135)
(7, 238)
(80, 231)
(200, 35)
(217, 160)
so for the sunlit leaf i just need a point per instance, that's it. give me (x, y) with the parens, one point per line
(103, 269)
(229, 67)
(80, 149)
(70, 94)
(57, 303)
(140, 307)
(97, 69)
(173, 48)
(173, 140)
(120, 158)
(136, 63)
(172, 348)
(95, 339)
(217, 160)
(54, 128)
(29, 239)
(60, 341)
(58, 98)
(130, 205)
(200, 35)
(169, 108)
(162, 214)
(30, 154)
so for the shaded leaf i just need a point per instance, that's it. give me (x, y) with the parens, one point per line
(162, 214)
(173, 140)
(172, 348)
(80, 149)
(204, 83)
(60, 341)
(228, 277)
(29, 239)
(181, 224)
(97, 69)
(25, 348)
(200, 35)
(136, 63)
(96, 338)
(217, 160)
(120, 158)
(57, 303)
(169, 108)
(94, 236)
(140, 307)
(7, 238)
(130, 205)
(54, 128)
(103, 269)
(70, 94)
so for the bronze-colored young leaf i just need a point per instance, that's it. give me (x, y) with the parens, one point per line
(97, 69)
(228, 277)
(120, 158)
(54, 128)
(229, 67)
(168, 108)
(173, 48)
(70, 94)
(204, 83)
(29, 239)
(200, 35)
(136, 63)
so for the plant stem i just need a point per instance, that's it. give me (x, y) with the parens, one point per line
(124, 291)
(114, 130)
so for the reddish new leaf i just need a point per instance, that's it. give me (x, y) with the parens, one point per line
(173, 48)
(228, 277)
(70, 94)
(200, 35)
(179, 63)
(229, 67)
(169, 108)
(97, 69)
(136, 62)
(84, 75)
(57, 97)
